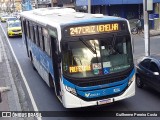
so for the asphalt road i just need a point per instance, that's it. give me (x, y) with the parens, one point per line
(145, 99)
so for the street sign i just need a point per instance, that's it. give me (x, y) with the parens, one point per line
(156, 16)
(153, 16)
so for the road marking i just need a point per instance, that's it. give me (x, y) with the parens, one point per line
(23, 77)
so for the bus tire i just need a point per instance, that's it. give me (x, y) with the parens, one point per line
(32, 61)
(139, 82)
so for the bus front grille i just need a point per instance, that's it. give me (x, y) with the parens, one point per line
(100, 82)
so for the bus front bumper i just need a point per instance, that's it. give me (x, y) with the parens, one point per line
(72, 101)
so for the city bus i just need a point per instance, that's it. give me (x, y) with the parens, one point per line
(86, 58)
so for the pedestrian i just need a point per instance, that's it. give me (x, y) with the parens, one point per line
(139, 26)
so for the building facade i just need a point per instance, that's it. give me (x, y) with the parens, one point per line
(129, 9)
(10, 5)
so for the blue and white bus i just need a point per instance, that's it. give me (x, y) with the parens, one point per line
(86, 58)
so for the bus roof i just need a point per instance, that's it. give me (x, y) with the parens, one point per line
(65, 16)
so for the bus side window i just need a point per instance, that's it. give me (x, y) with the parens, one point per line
(41, 38)
(36, 35)
(24, 26)
(46, 41)
(47, 45)
(31, 30)
(33, 33)
(28, 29)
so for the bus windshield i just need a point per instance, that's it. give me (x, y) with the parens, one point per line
(95, 57)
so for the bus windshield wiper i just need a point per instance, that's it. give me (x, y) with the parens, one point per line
(88, 46)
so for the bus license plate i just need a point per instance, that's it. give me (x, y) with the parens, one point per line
(105, 101)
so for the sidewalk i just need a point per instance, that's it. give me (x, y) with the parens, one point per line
(10, 99)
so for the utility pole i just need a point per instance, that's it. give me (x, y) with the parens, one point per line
(147, 6)
(51, 3)
(89, 6)
(146, 30)
(13, 5)
(36, 4)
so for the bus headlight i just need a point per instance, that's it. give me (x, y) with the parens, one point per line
(131, 80)
(71, 90)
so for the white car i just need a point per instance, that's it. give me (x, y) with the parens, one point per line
(11, 19)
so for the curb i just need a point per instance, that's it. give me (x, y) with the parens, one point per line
(154, 33)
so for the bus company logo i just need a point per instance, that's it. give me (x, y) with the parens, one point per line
(92, 95)
(87, 94)
(116, 90)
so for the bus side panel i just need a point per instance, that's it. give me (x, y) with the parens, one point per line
(41, 61)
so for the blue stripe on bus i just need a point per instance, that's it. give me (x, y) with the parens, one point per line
(103, 92)
(66, 82)
(112, 88)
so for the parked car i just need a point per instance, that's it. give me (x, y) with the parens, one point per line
(14, 28)
(4, 18)
(148, 72)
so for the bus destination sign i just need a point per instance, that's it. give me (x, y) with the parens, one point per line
(93, 29)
